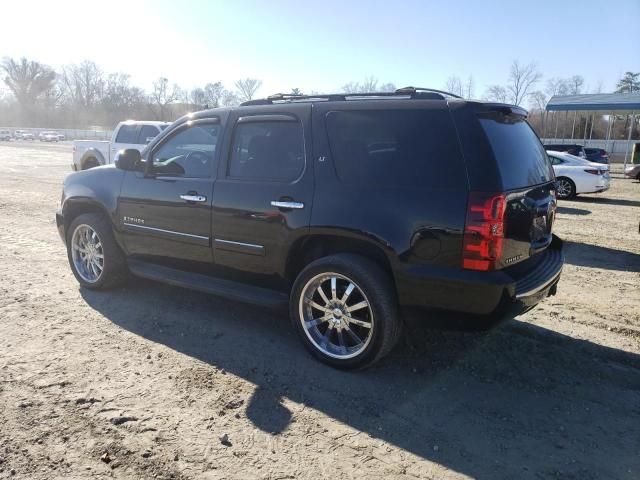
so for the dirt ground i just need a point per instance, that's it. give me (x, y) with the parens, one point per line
(146, 381)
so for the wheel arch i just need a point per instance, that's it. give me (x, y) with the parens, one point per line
(91, 153)
(317, 245)
(75, 207)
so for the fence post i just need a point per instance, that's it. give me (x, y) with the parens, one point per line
(631, 125)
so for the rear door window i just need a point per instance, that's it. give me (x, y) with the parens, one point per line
(521, 158)
(147, 131)
(267, 150)
(396, 148)
(127, 134)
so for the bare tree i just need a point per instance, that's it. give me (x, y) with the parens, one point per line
(27, 80)
(229, 98)
(351, 87)
(599, 87)
(198, 97)
(521, 79)
(557, 86)
(369, 85)
(469, 88)
(119, 97)
(83, 84)
(296, 91)
(162, 96)
(454, 85)
(575, 84)
(213, 94)
(247, 88)
(497, 93)
(538, 100)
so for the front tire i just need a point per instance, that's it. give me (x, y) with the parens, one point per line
(345, 311)
(94, 256)
(566, 188)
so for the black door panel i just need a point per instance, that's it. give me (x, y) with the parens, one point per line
(166, 211)
(156, 221)
(266, 161)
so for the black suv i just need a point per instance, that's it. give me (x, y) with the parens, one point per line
(348, 208)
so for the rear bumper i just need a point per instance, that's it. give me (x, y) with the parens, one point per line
(507, 291)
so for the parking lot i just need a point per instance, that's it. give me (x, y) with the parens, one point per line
(148, 380)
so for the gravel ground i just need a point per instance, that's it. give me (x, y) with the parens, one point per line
(149, 381)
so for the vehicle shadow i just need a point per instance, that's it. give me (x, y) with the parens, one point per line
(573, 211)
(518, 401)
(607, 201)
(586, 255)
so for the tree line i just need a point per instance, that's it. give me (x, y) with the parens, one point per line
(83, 95)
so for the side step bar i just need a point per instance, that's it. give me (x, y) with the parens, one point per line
(203, 283)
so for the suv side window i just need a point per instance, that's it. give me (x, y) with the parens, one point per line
(147, 131)
(267, 150)
(127, 134)
(188, 153)
(396, 148)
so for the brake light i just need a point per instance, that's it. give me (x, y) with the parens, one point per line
(484, 231)
(593, 171)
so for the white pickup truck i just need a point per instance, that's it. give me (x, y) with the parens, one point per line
(130, 134)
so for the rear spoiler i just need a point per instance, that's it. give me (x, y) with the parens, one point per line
(504, 108)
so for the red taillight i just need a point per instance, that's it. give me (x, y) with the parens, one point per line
(593, 171)
(484, 231)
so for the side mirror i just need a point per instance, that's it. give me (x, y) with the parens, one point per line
(128, 160)
(148, 139)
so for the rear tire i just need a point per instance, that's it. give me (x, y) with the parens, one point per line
(345, 311)
(566, 188)
(90, 162)
(94, 256)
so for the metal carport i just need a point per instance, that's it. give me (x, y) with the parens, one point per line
(612, 103)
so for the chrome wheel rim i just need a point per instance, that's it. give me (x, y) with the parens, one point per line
(564, 188)
(87, 253)
(336, 315)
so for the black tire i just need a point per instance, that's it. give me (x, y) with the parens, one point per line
(571, 188)
(376, 287)
(90, 162)
(115, 268)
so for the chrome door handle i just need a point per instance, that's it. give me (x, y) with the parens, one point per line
(290, 205)
(193, 198)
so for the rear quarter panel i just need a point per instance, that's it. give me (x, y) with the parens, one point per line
(83, 146)
(412, 225)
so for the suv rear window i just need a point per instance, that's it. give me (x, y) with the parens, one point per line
(520, 155)
(396, 148)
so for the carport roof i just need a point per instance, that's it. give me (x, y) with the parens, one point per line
(611, 102)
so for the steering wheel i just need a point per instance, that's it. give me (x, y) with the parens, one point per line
(197, 156)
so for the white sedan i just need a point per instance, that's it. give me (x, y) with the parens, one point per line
(48, 137)
(575, 175)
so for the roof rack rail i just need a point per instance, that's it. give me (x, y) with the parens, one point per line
(412, 92)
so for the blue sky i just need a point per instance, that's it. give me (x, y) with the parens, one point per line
(323, 45)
